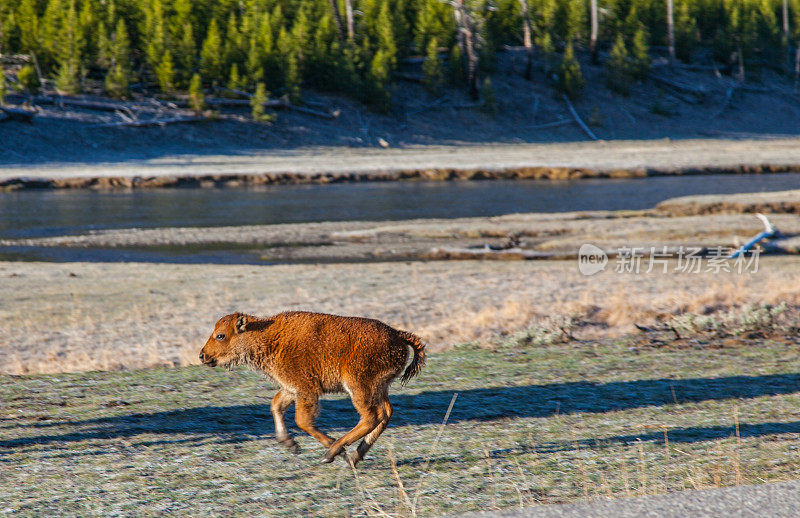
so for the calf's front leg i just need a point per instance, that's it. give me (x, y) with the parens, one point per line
(280, 403)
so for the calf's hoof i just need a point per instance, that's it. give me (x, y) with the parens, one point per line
(330, 455)
(354, 458)
(290, 445)
(328, 458)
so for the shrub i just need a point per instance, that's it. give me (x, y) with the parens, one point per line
(489, 99)
(570, 78)
(28, 79)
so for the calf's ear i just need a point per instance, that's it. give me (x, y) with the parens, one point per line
(241, 324)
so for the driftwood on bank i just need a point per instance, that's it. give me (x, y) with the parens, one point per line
(509, 254)
(768, 233)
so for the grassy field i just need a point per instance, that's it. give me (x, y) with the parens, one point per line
(107, 316)
(531, 424)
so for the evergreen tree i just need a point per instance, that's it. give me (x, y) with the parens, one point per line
(548, 50)
(69, 71)
(186, 54)
(50, 34)
(104, 52)
(233, 52)
(685, 31)
(165, 73)
(434, 20)
(257, 103)
(383, 62)
(196, 99)
(28, 80)
(154, 36)
(432, 69)
(455, 65)
(488, 96)
(640, 55)
(618, 73)
(211, 54)
(570, 78)
(28, 22)
(117, 77)
(3, 86)
(290, 66)
(235, 81)
(87, 25)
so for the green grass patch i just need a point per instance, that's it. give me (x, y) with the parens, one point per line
(531, 424)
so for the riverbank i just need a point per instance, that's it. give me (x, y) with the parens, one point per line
(558, 161)
(694, 221)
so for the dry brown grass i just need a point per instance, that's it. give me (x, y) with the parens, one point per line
(113, 316)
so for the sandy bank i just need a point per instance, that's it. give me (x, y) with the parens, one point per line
(332, 164)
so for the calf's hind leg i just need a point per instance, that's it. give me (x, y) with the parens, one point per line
(369, 420)
(384, 414)
(280, 403)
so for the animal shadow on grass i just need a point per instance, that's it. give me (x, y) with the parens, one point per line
(236, 423)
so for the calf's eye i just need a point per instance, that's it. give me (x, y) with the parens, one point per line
(220, 337)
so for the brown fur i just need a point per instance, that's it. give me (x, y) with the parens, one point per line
(310, 354)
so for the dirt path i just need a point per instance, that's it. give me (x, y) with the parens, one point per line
(623, 158)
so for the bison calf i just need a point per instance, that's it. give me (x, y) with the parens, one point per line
(310, 354)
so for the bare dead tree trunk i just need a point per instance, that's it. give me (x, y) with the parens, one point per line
(741, 64)
(348, 6)
(786, 36)
(796, 66)
(785, 15)
(466, 42)
(671, 30)
(527, 38)
(595, 26)
(337, 16)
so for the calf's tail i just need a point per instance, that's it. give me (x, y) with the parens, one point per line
(418, 361)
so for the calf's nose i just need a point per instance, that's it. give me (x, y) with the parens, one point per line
(202, 358)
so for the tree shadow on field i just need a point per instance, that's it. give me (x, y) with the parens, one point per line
(247, 422)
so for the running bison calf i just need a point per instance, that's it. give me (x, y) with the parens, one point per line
(310, 354)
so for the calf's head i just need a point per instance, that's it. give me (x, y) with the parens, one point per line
(224, 347)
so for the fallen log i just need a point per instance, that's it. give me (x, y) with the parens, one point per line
(727, 102)
(418, 60)
(275, 104)
(17, 114)
(316, 113)
(106, 106)
(577, 118)
(680, 86)
(553, 124)
(219, 102)
(412, 78)
(150, 122)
